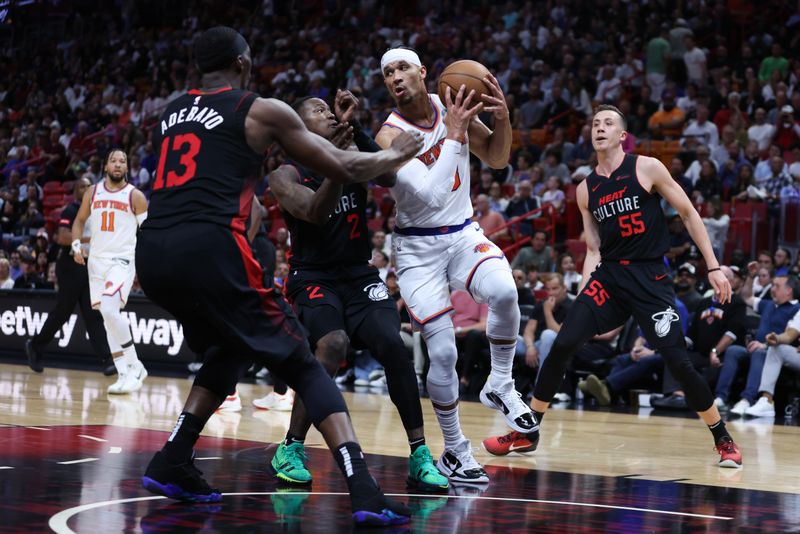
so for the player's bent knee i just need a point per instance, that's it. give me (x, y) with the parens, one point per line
(313, 385)
(331, 349)
(220, 374)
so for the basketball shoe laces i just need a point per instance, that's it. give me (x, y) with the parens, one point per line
(726, 447)
(295, 457)
(508, 438)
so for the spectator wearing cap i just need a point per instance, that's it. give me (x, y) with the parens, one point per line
(737, 282)
(30, 279)
(667, 122)
(787, 130)
(685, 286)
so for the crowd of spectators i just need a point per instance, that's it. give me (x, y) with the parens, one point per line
(713, 80)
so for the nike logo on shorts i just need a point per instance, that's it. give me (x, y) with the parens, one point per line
(660, 277)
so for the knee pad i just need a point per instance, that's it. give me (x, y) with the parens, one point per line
(496, 287)
(442, 378)
(313, 385)
(331, 349)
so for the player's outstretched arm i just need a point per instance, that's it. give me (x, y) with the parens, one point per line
(653, 171)
(80, 221)
(271, 120)
(590, 233)
(303, 203)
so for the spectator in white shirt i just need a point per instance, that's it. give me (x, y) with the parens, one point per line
(717, 224)
(695, 59)
(700, 131)
(609, 88)
(761, 131)
(703, 154)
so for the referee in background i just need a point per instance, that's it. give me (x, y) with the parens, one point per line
(73, 287)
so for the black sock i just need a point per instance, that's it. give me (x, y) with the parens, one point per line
(291, 438)
(416, 444)
(539, 416)
(178, 448)
(719, 431)
(360, 483)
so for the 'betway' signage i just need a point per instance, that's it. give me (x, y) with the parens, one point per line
(156, 334)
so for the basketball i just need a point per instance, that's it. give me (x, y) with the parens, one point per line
(464, 72)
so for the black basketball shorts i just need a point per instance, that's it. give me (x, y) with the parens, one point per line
(337, 298)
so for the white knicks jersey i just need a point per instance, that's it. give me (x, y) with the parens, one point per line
(411, 211)
(113, 223)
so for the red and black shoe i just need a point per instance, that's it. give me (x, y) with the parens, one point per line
(513, 442)
(729, 455)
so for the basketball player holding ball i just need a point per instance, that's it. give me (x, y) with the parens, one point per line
(625, 273)
(438, 247)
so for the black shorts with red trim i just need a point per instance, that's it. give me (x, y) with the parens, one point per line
(337, 298)
(617, 290)
(206, 276)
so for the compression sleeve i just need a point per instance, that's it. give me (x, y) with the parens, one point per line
(431, 186)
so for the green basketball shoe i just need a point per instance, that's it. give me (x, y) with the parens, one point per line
(288, 464)
(422, 472)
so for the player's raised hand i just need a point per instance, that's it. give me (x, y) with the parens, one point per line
(407, 144)
(459, 114)
(342, 136)
(345, 105)
(496, 102)
(721, 285)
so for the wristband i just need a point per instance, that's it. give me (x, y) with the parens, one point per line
(714, 269)
(76, 246)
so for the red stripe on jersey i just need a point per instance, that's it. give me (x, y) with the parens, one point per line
(245, 203)
(214, 92)
(239, 103)
(255, 279)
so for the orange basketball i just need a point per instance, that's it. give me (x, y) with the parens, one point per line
(464, 72)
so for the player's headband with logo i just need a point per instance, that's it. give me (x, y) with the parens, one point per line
(400, 54)
(218, 48)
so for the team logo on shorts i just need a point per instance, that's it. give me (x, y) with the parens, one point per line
(482, 248)
(108, 284)
(377, 292)
(663, 321)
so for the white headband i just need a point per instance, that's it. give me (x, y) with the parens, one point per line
(400, 54)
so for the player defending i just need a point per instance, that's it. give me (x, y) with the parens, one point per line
(438, 248)
(337, 294)
(115, 210)
(194, 260)
(625, 273)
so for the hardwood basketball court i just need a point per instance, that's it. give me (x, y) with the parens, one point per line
(72, 457)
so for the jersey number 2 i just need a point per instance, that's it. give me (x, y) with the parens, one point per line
(353, 219)
(187, 146)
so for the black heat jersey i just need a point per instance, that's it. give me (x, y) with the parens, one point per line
(343, 240)
(630, 220)
(206, 171)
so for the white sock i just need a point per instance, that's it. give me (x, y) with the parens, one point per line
(451, 427)
(127, 359)
(502, 363)
(130, 353)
